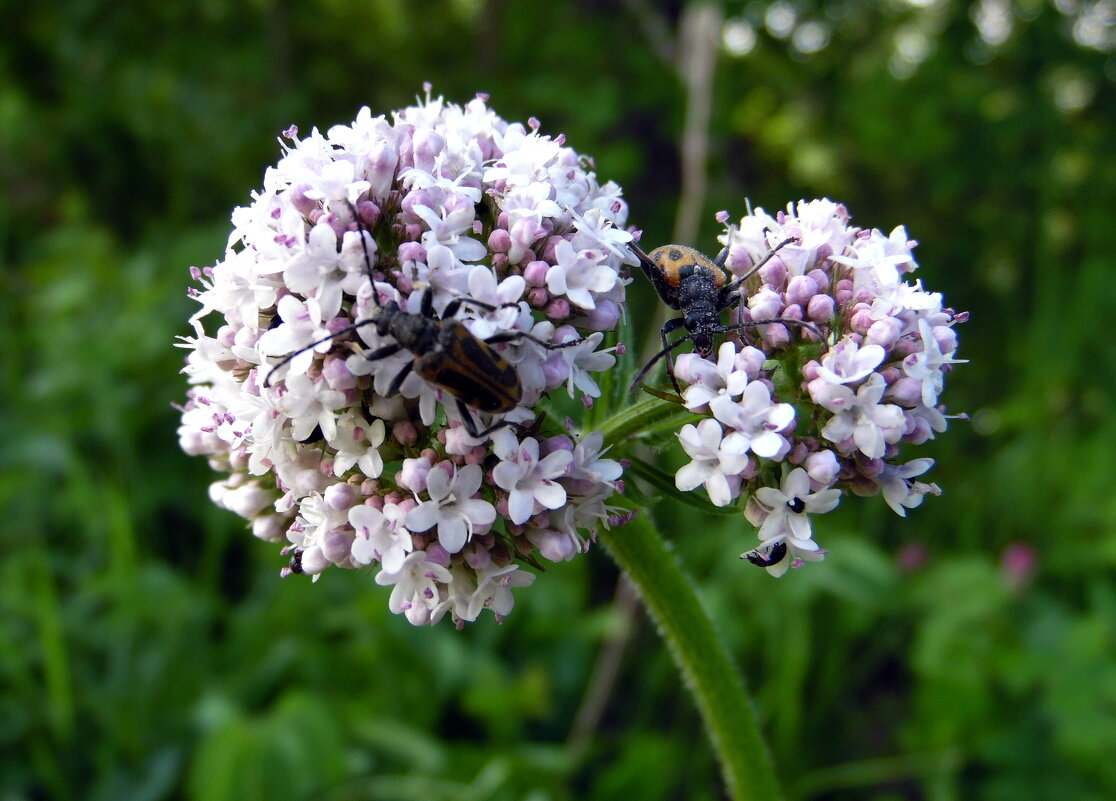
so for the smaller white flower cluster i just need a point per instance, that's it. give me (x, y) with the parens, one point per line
(333, 437)
(814, 427)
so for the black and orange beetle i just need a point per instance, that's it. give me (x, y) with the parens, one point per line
(446, 354)
(690, 282)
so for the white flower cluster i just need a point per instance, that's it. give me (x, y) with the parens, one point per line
(778, 417)
(334, 437)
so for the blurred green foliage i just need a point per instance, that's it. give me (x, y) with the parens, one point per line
(147, 649)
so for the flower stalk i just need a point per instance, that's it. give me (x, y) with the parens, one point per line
(701, 656)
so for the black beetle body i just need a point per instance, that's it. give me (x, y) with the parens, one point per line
(688, 281)
(446, 354)
(773, 557)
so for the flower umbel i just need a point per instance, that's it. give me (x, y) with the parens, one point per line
(494, 239)
(794, 421)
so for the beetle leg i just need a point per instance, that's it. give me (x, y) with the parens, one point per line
(400, 377)
(427, 307)
(471, 424)
(813, 329)
(668, 326)
(457, 302)
(384, 352)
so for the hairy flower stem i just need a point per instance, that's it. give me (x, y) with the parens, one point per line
(726, 709)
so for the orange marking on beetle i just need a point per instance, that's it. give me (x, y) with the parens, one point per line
(673, 259)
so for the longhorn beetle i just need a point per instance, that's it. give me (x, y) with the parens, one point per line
(690, 282)
(446, 353)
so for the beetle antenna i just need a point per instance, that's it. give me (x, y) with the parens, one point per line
(813, 329)
(361, 231)
(770, 255)
(312, 345)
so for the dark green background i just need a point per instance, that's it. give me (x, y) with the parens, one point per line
(148, 649)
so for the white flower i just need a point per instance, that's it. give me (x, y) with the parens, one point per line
(309, 406)
(313, 270)
(756, 420)
(579, 273)
(861, 417)
(788, 511)
(587, 464)
(380, 536)
(448, 228)
(302, 324)
(723, 379)
(494, 591)
(529, 481)
(416, 592)
(847, 363)
(596, 229)
(452, 507)
(717, 461)
(358, 443)
(526, 206)
(927, 365)
(899, 491)
(582, 360)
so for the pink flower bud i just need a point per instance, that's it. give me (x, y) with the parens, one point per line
(499, 241)
(314, 561)
(476, 557)
(535, 273)
(337, 374)
(337, 546)
(438, 555)
(413, 473)
(774, 273)
(861, 321)
(299, 200)
(800, 289)
(428, 144)
(946, 338)
(381, 169)
(558, 309)
(749, 360)
(404, 432)
(776, 336)
(765, 305)
(884, 332)
(552, 545)
(918, 430)
(339, 496)
(538, 297)
(820, 309)
(604, 317)
(906, 391)
(270, 528)
(823, 468)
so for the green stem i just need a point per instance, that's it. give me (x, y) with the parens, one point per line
(701, 656)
